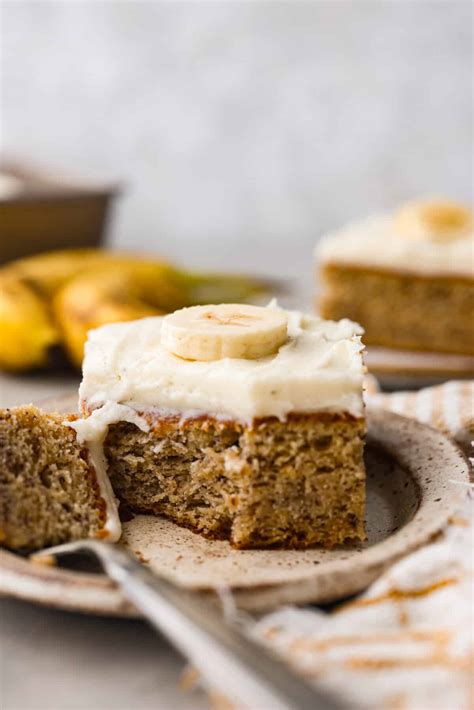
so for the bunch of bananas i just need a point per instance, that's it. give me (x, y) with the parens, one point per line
(54, 299)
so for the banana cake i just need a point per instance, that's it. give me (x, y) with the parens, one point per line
(239, 422)
(51, 490)
(407, 277)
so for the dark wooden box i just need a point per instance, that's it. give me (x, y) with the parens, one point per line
(41, 211)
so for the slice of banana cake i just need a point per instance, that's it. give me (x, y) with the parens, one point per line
(51, 491)
(406, 276)
(240, 422)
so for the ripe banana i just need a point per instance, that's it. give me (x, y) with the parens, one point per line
(26, 326)
(226, 330)
(436, 220)
(56, 297)
(112, 294)
(48, 272)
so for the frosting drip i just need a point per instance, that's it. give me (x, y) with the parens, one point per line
(91, 431)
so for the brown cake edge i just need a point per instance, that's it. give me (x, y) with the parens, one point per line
(239, 474)
(396, 318)
(42, 468)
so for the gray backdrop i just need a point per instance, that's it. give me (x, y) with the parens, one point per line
(243, 129)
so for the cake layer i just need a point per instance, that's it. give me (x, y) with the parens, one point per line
(289, 484)
(50, 491)
(376, 243)
(319, 368)
(426, 314)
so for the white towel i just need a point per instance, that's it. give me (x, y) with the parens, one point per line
(407, 643)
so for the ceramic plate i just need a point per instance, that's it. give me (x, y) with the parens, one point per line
(416, 480)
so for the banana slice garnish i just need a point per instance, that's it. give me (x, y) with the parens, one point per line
(225, 330)
(434, 220)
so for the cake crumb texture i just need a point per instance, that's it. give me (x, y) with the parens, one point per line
(289, 484)
(396, 310)
(48, 490)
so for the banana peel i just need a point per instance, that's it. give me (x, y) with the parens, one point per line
(110, 295)
(56, 298)
(27, 329)
(46, 273)
(201, 288)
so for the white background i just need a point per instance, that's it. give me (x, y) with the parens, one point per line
(243, 130)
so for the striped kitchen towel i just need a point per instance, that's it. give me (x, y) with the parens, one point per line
(407, 643)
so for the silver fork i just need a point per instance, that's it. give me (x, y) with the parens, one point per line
(241, 667)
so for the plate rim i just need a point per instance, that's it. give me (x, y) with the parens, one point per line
(95, 594)
(417, 368)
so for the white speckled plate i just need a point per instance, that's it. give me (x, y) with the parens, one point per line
(416, 478)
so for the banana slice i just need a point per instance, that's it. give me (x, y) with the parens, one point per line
(436, 220)
(227, 330)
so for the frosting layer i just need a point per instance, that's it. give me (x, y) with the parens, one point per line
(319, 368)
(375, 242)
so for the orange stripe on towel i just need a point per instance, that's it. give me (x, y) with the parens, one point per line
(462, 522)
(438, 637)
(398, 594)
(376, 664)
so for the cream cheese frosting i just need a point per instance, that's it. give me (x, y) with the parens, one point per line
(112, 529)
(128, 370)
(91, 431)
(375, 242)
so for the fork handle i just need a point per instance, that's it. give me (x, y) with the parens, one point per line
(240, 667)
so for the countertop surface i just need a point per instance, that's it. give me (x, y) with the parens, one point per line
(55, 660)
